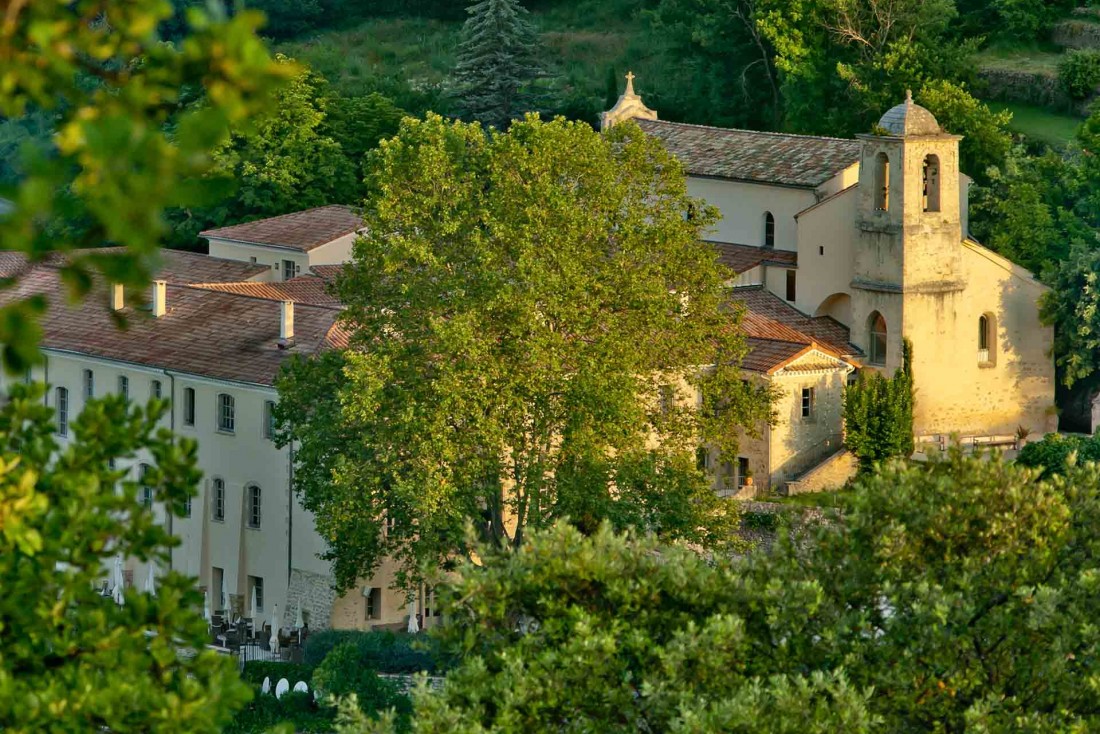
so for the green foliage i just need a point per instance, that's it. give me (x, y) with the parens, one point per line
(878, 415)
(294, 712)
(1079, 72)
(358, 124)
(1024, 20)
(124, 149)
(985, 141)
(254, 671)
(285, 162)
(1052, 454)
(343, 672)
(546, 288)
(71, 660)
(958, 595)
(383, 651)
(1072, 306)
(497, 63)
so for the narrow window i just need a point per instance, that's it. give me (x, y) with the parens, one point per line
(256, 585)
(877, 338)
(808, 398)
(217, 579)
(217, 500)
(255, 496)
(187, 507)
(124, 387)
(89, 384)
(726, 477)
(882, 182)
(702, 458)
(374, 602)
(62, 398)
(188, 406)
(931, 183)
(821, 249)
(986, 340)
(154, 389)
(146, 490)
(664, 399)
(790, 285)
(742, 471)
(227, 418)
(769, 230)
(269, 419)
(290, 269)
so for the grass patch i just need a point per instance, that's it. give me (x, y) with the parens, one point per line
(1038, 123)
(1037, 60)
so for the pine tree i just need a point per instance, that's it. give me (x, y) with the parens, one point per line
(496, 62)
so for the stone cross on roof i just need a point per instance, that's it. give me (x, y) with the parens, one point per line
(629, 85)
(628, 107)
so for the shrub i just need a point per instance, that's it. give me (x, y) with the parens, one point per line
(256, 670)
(385, 652)
(878, 414)
(1079, 72)
(265, 712)
(343, 672)
(1052, 453)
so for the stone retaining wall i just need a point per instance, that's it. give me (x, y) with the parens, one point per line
(1076, 34)
(1040, 90)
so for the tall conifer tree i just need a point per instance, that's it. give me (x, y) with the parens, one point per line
(496, 63)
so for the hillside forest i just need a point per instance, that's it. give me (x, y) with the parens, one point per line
(1016, 78)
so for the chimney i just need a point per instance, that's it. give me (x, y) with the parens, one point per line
(160, 298)
(286, 323)
(118, 297)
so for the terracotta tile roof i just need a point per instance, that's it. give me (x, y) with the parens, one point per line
(742, 258)
(175, 266)
(205, 332)
(761, 157)
(304, 230)
(777, 331)
(308, 289)
(327, 272)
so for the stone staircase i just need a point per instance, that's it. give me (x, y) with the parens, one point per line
(832, 472)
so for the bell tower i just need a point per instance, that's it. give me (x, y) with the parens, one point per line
(909, 243)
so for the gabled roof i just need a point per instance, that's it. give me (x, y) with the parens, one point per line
(308, 289)
(742, 258)
(303, 231)
(176, 266)
(778, 333)
(803, 161)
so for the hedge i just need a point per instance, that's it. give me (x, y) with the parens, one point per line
(256, 670)
(385, 652)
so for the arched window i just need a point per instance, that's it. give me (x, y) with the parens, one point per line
(769, 230)
(255, 496)
(882, 182)
(931, 183)
(876, 338)
(987, 340)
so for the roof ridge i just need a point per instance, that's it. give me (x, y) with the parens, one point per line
(753, 132)
(215, 288)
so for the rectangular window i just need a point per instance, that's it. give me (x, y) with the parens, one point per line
(146, 490)
(187, 507)
(790, 285)
(62, 399)
(188, 406)
(227, 418)
(269, 419)
(217, 500)
(374, 603)
(726, 477)
(290, 269)
(808, 402)
(217, 597)
(821, 249)
(742, 471)
(256, 584)
(702, 458)
(255, 496)
(154, 389)
(89, 384)
(124, 386)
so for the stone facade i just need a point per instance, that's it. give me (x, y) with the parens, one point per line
(833, 473)
(315, 593)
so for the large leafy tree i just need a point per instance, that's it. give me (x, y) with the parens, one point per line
(531, 314)
(124, 147)
(1072, 306)
(284, 161)
(71, 660)
(497, 62)
(955, 596)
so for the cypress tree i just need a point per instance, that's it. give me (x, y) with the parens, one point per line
(878, 414)
(496, 62)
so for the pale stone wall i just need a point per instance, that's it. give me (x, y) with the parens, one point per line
(332, 253)
(797, 443)
(315, 594)
(826, 233)
(743, 206)
(957, 393)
